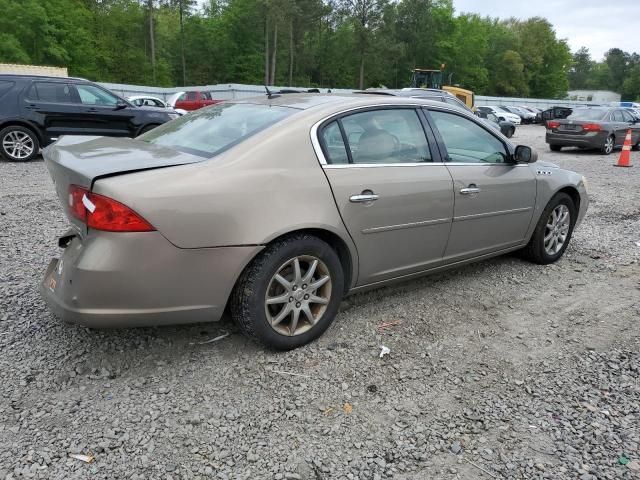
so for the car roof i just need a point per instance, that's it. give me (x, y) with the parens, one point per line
(306, 101)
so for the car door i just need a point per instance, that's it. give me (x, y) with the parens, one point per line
(393, 192)
(101, 112)
(50, 105)
(494, 197)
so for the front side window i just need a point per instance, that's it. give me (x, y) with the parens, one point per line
(53, 92)
(467, 141)
(386, 136)
(91, 95)
(208, 131)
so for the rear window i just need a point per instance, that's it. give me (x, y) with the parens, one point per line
(587, 114)
(54, 92)
(5, 86)
(209, 131)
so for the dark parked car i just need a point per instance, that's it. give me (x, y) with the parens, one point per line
(604, 128)
(36, 110)
(553, 113)
(506, 127)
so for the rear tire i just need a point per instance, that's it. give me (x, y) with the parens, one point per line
(18, 143)
(609, 145)
(260, 298)
(510, 132)
(539, 246)
(555, 148)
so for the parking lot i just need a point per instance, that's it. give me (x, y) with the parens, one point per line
(501, 369)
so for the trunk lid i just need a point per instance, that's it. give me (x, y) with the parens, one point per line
(80, 160)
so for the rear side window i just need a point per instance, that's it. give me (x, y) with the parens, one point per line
(191, 96)
(386, 136)
(53, 92)
(334, 146)
(5, 86)
(209, 131)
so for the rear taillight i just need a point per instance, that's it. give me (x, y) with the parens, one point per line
(553, 125)
(104, 213)
(591, 127)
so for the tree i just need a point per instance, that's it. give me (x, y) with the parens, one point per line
(581, 69)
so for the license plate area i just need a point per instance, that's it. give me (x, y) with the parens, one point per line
(569, 128)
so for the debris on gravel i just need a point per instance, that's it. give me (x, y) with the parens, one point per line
(501, 369)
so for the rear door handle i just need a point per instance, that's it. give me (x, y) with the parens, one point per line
(470, 190)
(363, 198)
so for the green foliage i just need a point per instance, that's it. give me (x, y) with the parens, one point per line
(324, 43)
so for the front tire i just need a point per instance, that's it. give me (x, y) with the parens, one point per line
(555, 148)
(18, 144)
(510, 132)
(290, 293)
(553, 231)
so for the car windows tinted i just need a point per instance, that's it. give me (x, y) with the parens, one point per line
(5, 86)
(466, 141)
(333, 143)
(209, 131)
(54, 92)
(91, 95)
(386, 136)
(587, 114)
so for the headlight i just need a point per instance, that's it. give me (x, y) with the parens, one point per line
(173, 116)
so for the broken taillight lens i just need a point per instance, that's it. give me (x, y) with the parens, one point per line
(104, 213)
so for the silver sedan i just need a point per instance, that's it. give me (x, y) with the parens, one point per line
(275, 208)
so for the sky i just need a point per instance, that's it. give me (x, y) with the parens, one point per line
(596, 24)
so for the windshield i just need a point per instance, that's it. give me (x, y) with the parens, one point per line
(587, 114)
(211, 130)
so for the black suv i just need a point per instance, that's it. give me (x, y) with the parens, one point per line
(36, 110)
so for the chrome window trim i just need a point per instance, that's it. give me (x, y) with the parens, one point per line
(315, 141)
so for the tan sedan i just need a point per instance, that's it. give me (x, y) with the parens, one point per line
(275, 208)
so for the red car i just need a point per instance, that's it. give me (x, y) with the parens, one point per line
(192, 100)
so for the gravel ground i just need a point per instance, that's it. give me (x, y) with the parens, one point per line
(501, 369)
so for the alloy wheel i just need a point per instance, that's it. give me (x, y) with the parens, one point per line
(557, 229)
(18, 145)
(297, 295)
(608, 145)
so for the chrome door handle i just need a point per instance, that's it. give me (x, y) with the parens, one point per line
(363, 198)
(469, 190)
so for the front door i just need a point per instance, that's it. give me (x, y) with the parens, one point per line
(494, 197)
(393, 193)
(101, 113)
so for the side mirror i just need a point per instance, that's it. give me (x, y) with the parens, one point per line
(120, 105)
(525, 154)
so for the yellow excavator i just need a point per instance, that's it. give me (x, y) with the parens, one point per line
(427, 78)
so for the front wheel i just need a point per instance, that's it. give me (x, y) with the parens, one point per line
(18, 144)
(609, 145)
(553, 231)
(289, 294)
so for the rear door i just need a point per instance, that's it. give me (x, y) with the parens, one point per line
(50, 104)
(631, 124)
(393, 192)
(100, 112)
(494, 198)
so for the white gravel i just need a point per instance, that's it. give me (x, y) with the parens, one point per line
(502, 369)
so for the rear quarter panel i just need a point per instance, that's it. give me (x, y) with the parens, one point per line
(265, 187)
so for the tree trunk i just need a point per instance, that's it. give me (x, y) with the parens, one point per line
(152, 43)
(361, 71)
(184, 64)
(274, 51)
(291, 53)
(266, 50)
